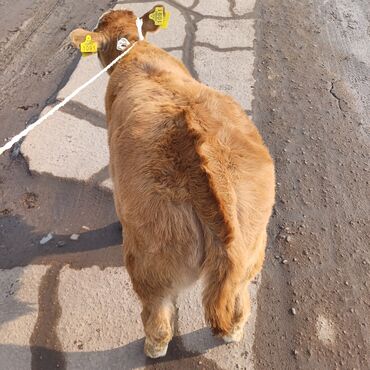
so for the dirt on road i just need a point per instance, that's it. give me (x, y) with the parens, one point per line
(312, 105)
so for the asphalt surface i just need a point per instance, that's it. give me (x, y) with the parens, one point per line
(313, 102)
(302, 70)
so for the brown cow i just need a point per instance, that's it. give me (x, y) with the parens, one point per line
(193, 183)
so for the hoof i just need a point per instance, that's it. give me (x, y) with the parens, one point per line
(235, 336)
(154, 350)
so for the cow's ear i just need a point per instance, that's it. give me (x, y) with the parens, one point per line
(79, 35)
(155, 19)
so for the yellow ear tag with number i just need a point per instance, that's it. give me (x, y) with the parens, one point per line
(88, 46)
(160, 18)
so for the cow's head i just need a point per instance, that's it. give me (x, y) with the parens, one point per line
(113, 26)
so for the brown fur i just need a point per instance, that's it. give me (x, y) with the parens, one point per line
(193, 184)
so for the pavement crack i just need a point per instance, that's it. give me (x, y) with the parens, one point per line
(191, 10)
(191, 19)
(219, 49)
(44, 342)
(188, 49)
(223, 18)
(173, 48)
(334, 94)
(232, 5)
(195, 4)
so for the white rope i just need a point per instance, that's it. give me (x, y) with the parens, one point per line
(32, 126)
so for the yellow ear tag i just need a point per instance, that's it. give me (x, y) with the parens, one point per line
(160, 18)
(88, 46)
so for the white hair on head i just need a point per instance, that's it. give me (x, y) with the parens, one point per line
(139, 26)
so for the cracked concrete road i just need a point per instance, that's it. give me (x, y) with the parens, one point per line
(301, 69)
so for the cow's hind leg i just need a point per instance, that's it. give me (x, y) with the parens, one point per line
(242, 308)
(152, 283)
(241, 314)
(157, 316)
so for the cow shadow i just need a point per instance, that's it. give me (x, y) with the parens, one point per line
(20, 246)
(127, 357)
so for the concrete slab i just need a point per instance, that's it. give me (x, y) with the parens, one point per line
(101, 321)
(173, 36)
(219, 8)
(244, 6)
(67, 147)
(93, 96)
(18, 314)
(230, 72)
(226, 33)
